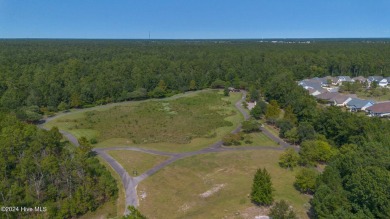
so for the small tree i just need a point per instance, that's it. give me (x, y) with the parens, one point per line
(272, 112)
(315, 151)
(259, 110)
(262, 188)
(305, 180)
(250, 126)
(226, 92)
(289, 159)
(292, 135)
(282, 210)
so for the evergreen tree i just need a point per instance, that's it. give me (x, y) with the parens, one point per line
(262, 192)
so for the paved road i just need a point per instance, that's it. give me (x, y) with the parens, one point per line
(130, 183)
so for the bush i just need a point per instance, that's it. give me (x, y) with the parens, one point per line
(282, 210)
(250, 126)
(232, 139)
(93, 141)
(289, 159)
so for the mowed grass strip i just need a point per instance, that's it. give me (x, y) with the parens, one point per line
(136, 161)
(260, 139)
(216, 185)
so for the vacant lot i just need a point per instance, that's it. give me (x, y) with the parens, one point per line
(136, 161)
(215, 185)
(180, 124)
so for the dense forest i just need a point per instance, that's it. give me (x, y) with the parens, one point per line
(40, 170)
(43, 76)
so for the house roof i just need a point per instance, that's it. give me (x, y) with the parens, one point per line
(360, 78)
(383, 107)
(340, 99)
(312, 84)
(375, 78)
(359, 103)
(327, 95)
(345, 78)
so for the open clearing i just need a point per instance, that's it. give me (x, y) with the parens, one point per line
(136, 161)
(177, 124)
(178, 190)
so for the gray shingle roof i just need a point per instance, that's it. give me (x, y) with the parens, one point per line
(358, 103)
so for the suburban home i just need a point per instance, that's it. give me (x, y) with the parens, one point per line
(379, 109)
(313, 91)
(340, 79)
(384, 82)
(356, 104)
(340, 100)
(251, 105)
(327, 96)
(314, 87)
(372, 79)
(359, 79)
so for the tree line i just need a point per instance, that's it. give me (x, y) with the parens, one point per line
(43, 76)
(39, 169)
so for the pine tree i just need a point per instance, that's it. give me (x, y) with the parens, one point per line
(262, 188)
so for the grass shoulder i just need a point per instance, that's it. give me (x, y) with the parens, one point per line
(136, 161)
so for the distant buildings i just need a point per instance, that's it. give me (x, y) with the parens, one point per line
(326, 89)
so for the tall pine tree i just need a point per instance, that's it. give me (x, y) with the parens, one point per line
(262, 188)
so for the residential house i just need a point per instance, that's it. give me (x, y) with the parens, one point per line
(384, 82)
(340, 100)
(379, 109)
(340, 79)
(359, 79)
(375, 79)
(313, 91)
(356, 104)
(314, 87)
(327, 96)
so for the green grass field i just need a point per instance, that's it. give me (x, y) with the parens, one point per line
(260, 139)
(134, 160)
(173, 124)
(216, 185)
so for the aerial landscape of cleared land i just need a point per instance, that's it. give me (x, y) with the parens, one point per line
(195, 129)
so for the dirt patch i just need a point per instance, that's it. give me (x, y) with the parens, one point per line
(254, 213)
(186, 206)
(213, 190)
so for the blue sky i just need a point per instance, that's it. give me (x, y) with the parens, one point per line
(194, 19)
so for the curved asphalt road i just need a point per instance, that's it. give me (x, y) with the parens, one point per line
(130, 183)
